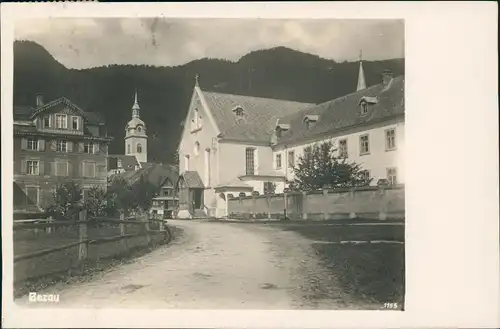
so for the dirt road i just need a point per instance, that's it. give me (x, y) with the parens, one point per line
(218, 266)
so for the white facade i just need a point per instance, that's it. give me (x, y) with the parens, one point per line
(380, 160)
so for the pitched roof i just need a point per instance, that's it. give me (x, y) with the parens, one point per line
(343, 112)
(22, 112)
(259, 115)
(192, 179)
(235, 183)
(155, 174)
(128, 161)
(25, 112)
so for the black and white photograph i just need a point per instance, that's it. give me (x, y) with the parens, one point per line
(202, 163)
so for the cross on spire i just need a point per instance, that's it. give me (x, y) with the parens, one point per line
(197, 78)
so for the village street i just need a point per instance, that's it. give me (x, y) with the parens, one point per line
(213, 265)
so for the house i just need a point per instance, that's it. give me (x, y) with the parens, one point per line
(57, 142)
(366, 126)
(238, 145)
(118, 164)
(166, 202)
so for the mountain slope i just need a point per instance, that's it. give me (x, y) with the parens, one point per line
(164, 92)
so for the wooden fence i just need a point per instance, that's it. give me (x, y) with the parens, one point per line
(46, 246)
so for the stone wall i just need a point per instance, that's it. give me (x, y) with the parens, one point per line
(355, 203)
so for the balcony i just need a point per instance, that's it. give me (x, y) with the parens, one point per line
(62, 131)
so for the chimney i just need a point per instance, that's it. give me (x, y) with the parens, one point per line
(386, 77)
(39, 100)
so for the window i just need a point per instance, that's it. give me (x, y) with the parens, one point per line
(291, 159)
(139, 148)
(61, 168)
(196, 148)
(119, 163)
(33, 144)
(32, 195)
(74, 123)
(61, 121)
(250, 161)
(186, 162)
(343, 153)
(269, 188)
(364, 107)
(88, 148)
(364, 145)
(207, 167)
(32, 167)
(128, 149)
(61, 146)
(196, 122)
(392, 176)
(46, 122)
(366, 176)
(278, 161)
(390, 139)
(89, 169)
(139, 129)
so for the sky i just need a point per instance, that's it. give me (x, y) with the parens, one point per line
(88, 42)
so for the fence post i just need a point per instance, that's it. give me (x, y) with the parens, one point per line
(325, 204)
(254, 205)
(352, 214)
(49, 229)
(268, 206)
(146, 226)
(382, 215)
(304, 204)
(83, 236)
(123, 241)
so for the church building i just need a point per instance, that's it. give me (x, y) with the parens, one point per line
(238, 145)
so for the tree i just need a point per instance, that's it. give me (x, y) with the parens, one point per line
(96, 202)
(66, 199)
(143, 192)
(120, 196)
(319, 168)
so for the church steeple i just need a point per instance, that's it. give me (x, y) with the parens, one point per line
(361, 76)
(135, 107)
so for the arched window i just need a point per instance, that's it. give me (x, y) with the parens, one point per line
(139, 148)
(196, 148)
(186, 162)
(139, 129)
(128, 149)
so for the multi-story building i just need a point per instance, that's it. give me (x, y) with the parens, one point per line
(235, 144)
(56, 142)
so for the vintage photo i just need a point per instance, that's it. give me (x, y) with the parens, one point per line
(196, 163)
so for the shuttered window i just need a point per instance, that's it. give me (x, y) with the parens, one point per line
(89, 169)
(61, 121)
(32, 167)
(88, 148)
(32, 144)
(61, 168)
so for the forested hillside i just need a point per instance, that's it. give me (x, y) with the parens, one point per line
(164, 92)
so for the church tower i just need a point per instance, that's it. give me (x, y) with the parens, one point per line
(136, 140)
(361, 76)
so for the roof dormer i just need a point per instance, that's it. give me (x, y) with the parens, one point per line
(365, 102)
(238, 111)
(310, 120)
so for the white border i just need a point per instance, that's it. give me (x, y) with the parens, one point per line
(452, 194)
